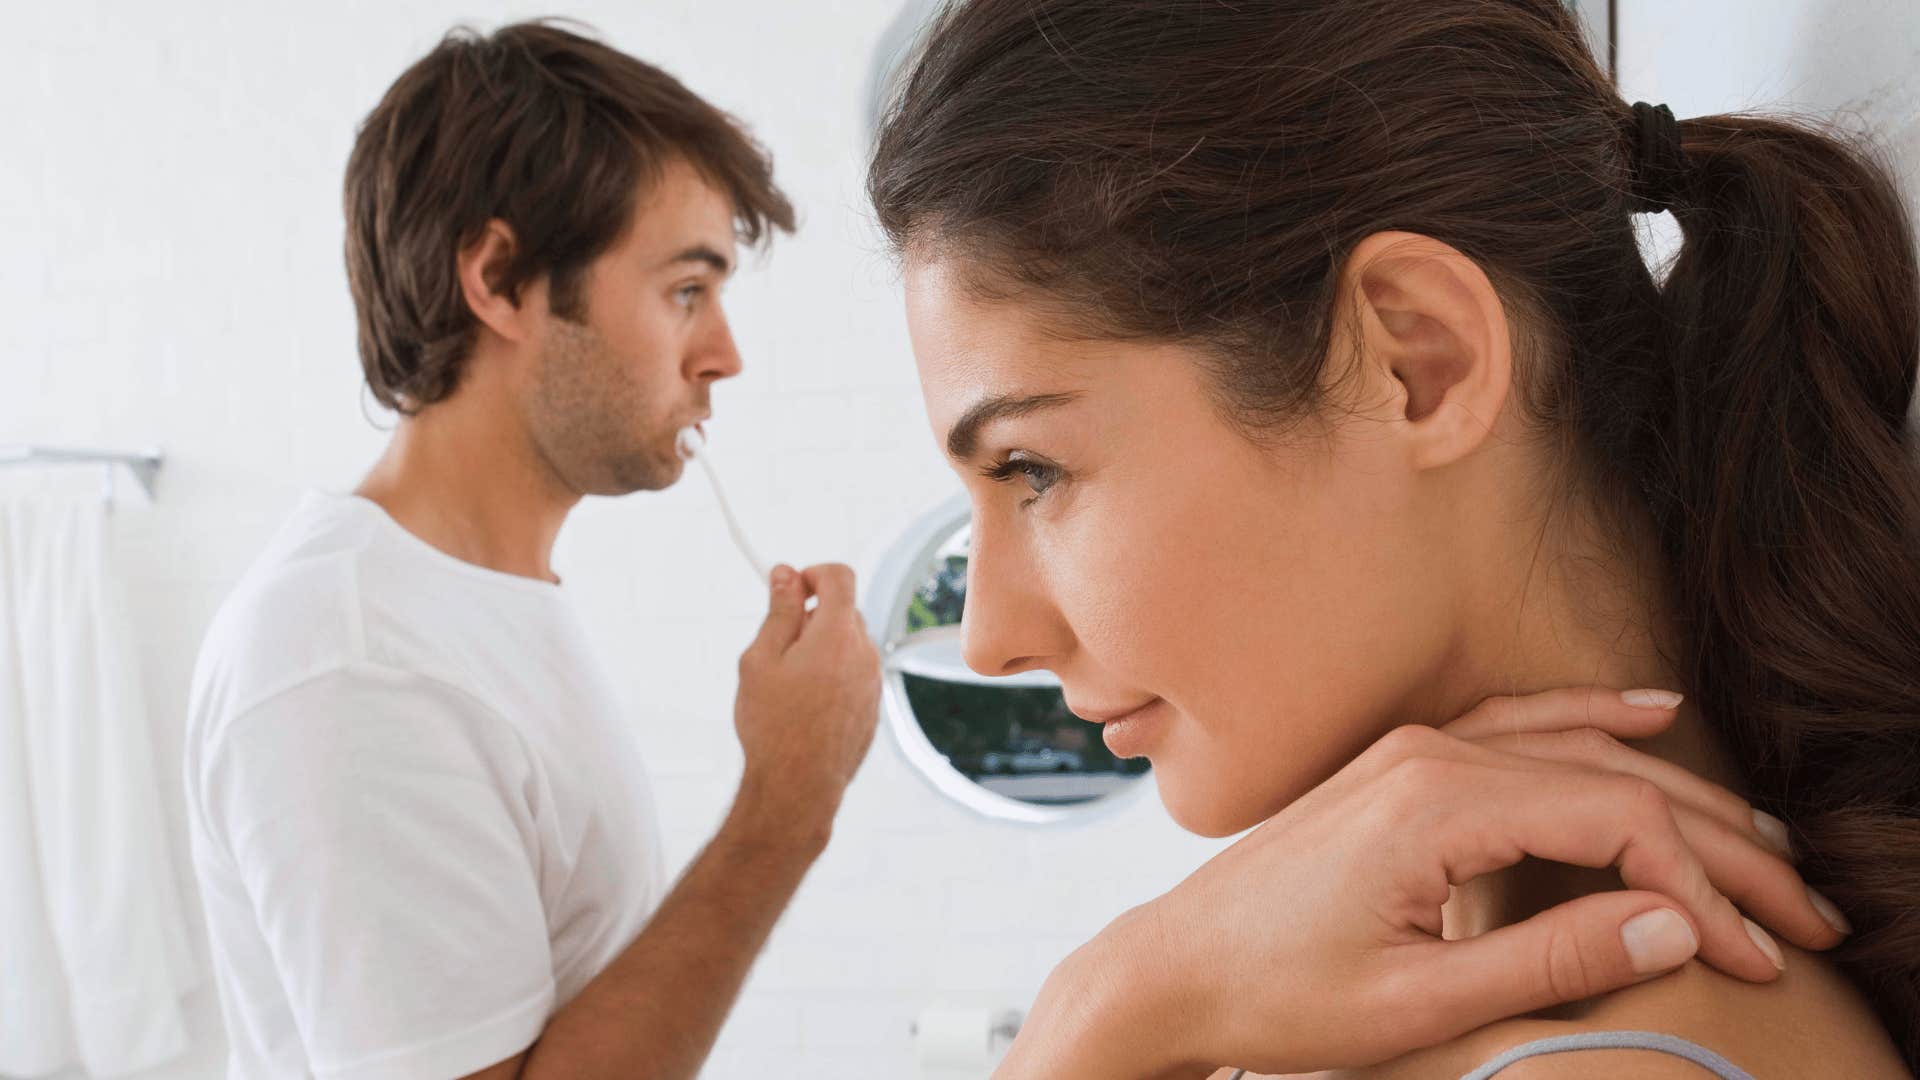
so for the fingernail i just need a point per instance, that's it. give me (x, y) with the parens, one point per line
(1765, 943)
(782, 577)
(1652, 699)
(1657, 940)
(1774, 832)
(1829, 912)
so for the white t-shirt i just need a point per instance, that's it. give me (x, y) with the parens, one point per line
(419, 821)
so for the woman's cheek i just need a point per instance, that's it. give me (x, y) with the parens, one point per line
(1092, 580)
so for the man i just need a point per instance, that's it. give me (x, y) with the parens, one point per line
(422, 829)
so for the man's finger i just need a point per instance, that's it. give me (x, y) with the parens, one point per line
(1632, 714)
(832, 583)
(786, 611)
(1571, 952)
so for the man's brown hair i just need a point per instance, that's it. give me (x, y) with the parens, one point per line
(547, 130)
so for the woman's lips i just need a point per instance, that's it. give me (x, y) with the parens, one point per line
(1129, 734)
(1107, 716)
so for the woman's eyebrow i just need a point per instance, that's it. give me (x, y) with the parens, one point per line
(964, 436)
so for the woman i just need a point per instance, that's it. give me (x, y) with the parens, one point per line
(1322, 327)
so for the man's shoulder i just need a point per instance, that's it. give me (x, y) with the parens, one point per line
(338, 592)
(293, 615)
(281, 625)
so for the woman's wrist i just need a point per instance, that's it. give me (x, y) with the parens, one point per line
(1111, 1010)
(1158, 1001)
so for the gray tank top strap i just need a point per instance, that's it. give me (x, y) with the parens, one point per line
(1615, 1040)
(1606, 1040)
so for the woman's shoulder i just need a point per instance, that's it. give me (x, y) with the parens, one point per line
(1811, 1021)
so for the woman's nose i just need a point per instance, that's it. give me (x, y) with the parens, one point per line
(1009, 623)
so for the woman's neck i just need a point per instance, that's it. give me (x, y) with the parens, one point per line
(1574, 610)
(1533, 885)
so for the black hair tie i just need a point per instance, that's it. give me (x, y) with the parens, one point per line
(1657, 173)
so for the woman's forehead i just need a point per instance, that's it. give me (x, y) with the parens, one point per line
(966, 343)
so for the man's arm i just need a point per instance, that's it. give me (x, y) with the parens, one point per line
(656, 1010)
(808, 702)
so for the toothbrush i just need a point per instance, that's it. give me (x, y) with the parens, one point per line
(691, 445)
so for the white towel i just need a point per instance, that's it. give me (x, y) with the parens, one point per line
(94, 952)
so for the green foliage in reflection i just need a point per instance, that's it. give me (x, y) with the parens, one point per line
(940, 600)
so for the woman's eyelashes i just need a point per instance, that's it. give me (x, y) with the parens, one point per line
(1039, 475)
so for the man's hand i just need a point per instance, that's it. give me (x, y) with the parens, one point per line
(808, 700)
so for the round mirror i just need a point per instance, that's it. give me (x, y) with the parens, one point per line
(1005, 746)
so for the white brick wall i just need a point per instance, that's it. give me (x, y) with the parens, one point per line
(170, 195)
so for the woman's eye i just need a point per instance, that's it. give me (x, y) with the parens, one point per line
(1039, 477)
(1038, 474)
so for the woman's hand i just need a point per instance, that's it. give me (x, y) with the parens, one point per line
(1314, 941)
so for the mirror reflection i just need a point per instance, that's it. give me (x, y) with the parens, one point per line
(1012, 736)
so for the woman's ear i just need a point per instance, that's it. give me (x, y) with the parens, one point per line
(1430, 332)
(481, 265)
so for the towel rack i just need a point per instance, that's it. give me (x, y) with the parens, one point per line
(143, 464)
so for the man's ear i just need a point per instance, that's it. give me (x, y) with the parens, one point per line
(1432, 334)
(482, 264)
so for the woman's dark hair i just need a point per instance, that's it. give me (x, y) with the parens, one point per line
(547, 130)
(1197, 171)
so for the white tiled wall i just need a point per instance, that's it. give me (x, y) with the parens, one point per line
(171, 275)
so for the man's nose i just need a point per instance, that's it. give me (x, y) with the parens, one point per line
(715, 356)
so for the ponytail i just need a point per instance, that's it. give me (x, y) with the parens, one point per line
(1781, 470)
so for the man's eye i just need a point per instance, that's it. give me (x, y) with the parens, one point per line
(689, 294)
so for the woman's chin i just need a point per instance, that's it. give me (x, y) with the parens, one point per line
(1214, 798)
(1200, 805)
